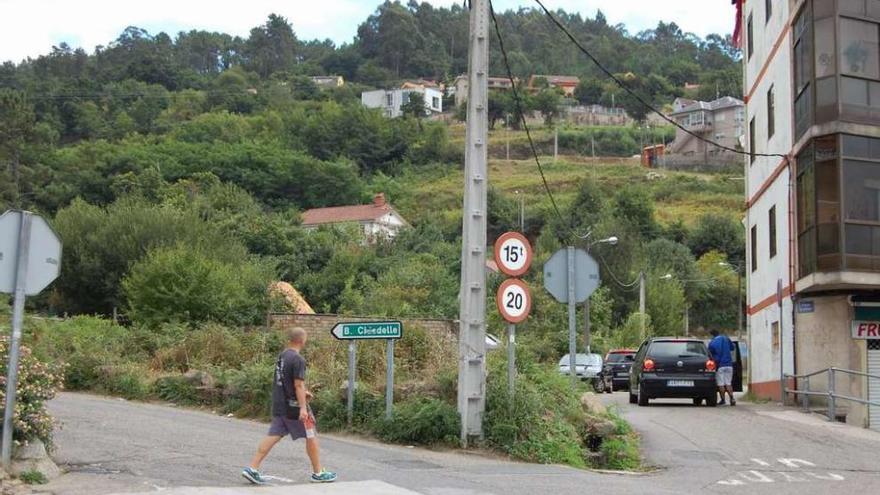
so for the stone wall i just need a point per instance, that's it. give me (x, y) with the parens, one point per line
(319, 326)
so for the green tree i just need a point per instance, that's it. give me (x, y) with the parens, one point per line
(17, 128)
(414, 106)
(722, 233)
(547, 102)
(589, 91)
(183, 284)
(271, 47)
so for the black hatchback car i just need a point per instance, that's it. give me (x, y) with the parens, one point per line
(678, 368)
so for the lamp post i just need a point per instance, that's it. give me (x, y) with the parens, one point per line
(587, 330)
(522, 211)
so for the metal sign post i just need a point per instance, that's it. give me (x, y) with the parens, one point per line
(779, 297)
(30, 259)
(571, 276)
(572, 335)
(513, 253)
(352, 380)
(369, 330)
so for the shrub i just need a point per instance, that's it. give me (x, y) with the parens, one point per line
(129, 381)
(187, 284)
(177, 389)
(247, 391)
(37, 383)
(543, 424)
(33, 477)
(424, 421)
(85, 345)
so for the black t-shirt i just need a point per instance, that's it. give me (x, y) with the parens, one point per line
(289, 367)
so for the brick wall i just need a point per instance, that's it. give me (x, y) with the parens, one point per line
(319, 326)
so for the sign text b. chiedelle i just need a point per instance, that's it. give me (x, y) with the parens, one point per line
(365, 330)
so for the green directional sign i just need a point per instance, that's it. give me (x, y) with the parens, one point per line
(366, 330)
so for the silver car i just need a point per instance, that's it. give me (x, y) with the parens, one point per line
(587, 366)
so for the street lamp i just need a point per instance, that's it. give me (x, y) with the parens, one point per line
(739, 305)
(611, 241)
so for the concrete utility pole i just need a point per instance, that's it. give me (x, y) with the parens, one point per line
(472, 294)
(642, 304)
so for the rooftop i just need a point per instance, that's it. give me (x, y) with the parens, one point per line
(342, 214)
(719, 104)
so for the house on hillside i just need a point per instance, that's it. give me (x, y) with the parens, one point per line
(566, 83)
(378, 220)
(325, 82)
(495, 84)
(391, 101)
(422, 84)
(721, 121)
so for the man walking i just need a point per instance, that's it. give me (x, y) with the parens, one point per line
(290, 411)
(720, 350)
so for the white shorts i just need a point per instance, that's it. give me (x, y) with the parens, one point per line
(724, 376)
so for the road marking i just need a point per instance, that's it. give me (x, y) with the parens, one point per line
(789, 478)
(764, 476)
(827, 476)
(731, 482)
(755, 477)
(796, 463)
(277, 478)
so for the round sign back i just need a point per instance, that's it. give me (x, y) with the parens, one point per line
(513, 254)
(514, 300)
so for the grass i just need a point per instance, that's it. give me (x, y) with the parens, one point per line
(33, 477)
(437, 192)
(754, 399)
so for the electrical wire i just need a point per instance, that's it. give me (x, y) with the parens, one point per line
(615, 277)
(522, 118)
(639, 98)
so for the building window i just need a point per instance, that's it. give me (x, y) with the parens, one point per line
(435, 102)
(771, 218)
(771, 113)
(768, 9)
(859, 50)
(803, 73)
(389, 100)
(754, 245)
(752, 141)
(749, 35)
(774, 335)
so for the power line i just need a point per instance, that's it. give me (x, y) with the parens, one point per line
(521, 114)
(641, 100)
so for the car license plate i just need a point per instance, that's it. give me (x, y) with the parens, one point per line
(621, 374)
(680, 383)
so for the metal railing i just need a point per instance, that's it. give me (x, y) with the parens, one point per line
(831, 394)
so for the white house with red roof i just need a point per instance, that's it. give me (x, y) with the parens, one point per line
(378, 219)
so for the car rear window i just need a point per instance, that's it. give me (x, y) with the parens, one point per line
(619, 357)
(677, 348)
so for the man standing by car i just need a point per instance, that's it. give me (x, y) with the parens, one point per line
(721, 351)
(291, 414)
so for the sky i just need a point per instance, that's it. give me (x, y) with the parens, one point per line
(29, 28)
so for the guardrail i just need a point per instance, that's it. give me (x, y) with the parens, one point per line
(831, 394)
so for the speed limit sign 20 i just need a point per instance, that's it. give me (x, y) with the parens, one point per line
(513, 254)
(514, 300)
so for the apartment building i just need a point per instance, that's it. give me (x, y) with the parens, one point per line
(812, 84)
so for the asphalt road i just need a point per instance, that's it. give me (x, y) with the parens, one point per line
(114, 446)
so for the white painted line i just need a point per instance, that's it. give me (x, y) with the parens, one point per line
(756, 477)
(796, 463)
(760, 462)
(731, 482)
(827, 476)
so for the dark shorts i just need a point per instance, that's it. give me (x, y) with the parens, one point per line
(282, 426)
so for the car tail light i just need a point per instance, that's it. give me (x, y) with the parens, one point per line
(710, 365)
(649, 365)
